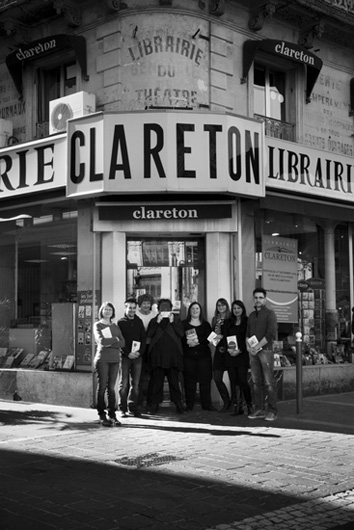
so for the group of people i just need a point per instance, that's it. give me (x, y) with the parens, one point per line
(159, 345)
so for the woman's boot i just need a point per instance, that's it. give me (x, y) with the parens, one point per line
(238, 409)
(226, 406)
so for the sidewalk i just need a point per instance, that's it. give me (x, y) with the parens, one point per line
(59, 469)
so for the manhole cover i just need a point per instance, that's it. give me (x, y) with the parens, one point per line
(148, 460)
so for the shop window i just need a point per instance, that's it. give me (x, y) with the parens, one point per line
(53, 82)
(311, 319)
(38, 262)
(273, 91)
(173, 268)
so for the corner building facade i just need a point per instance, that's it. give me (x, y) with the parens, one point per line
(191, 150)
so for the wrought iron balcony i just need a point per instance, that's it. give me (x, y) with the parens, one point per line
(277, 129)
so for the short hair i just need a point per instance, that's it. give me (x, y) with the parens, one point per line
(130, 301)
(260, 290)
(106, 304)
(165, 301)
(145, 298)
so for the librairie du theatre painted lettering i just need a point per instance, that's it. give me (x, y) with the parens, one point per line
(165, 151)
(165, 64)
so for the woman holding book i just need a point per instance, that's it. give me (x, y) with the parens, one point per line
(221, 315)
(197, 358)
(109, 341)
(237, 358)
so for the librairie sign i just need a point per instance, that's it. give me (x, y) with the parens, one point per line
(146, 152)
(33, 167)
(295, 168)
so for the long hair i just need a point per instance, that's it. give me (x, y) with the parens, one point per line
(240, 304)
(223, 301)
(189, 316)
(106, 304)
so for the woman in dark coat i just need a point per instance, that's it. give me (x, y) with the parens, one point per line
(237, 358)
(221, 315)
(165, 355)
(197, 358)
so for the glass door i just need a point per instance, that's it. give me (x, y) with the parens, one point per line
(171, 268)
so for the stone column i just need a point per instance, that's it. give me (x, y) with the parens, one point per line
(330, 275)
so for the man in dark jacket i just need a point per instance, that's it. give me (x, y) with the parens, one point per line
(166, 355)
(261, 332)
(133, 331)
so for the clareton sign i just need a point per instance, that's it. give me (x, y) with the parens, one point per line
(146, 152)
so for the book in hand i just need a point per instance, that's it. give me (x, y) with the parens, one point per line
(192, 336)
(106, 332)
(135, 346)
(253, 342)
(232, 342)
(213, 338)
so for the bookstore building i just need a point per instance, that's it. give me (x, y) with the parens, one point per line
(124, 204)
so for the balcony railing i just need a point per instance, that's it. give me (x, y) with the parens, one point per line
(278, 129)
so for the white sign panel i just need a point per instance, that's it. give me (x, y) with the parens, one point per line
(280, 276)
(153, 152)
(33, 167)
(295, 168)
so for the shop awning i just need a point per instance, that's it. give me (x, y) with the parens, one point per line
(285, 50)
(43, 47)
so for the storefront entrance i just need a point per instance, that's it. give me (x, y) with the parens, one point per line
(171, 268)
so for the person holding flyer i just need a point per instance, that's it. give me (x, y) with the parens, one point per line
(260, 335)
(109, 341)
(133, 331)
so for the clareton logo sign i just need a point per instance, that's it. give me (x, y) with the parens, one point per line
(146, 152)
(152, 212)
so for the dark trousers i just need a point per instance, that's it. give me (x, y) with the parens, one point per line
(239, 378)
(220, 385)
(197, 370)
(157, 380)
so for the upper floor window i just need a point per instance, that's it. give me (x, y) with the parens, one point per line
(274, 100)
(53, 81)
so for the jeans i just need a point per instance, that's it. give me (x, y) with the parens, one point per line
(263, 380)
(129, 378)
(106, 380)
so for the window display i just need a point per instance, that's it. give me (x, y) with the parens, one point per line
(38, 260)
